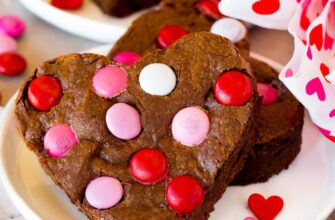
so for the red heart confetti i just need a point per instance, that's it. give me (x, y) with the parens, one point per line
(266, 7)
(316, 37)
(265, 209)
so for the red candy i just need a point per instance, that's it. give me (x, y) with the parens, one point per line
(148, 166)
(44, 92)
(233, 88)
(12, 64)
(210, 8)
(67, 4)
(185, 194)
(170, 34)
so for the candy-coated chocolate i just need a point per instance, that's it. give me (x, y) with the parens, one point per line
(170, 34)
(190, 126)
(44, 92)
(230, 28)
(12, 25)
(233, 89)
(123, 121)
(210, 8)
(157, 79)
(110, 81)
(7, 44)
(59, 140)
(185, 194)
(268, 93)
(12, 64)
(127, 58)
(104, 192)
(148, 166)
(67, 4)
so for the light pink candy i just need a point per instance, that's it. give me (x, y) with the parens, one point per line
(104, 192)
(127, 58)
(110, 81)
(7, 44)
(123, 121)
(190, 126)
(59, 140)
(12, 25)
(269, 94)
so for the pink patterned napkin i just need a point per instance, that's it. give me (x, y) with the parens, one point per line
(310, 74)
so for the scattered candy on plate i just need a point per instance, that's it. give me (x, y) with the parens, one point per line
(12, 25)
(12, 64)
(67, 4)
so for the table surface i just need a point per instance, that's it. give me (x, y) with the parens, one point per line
(43, 41)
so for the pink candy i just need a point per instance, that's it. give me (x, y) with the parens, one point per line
(123, 121)
(12, 25)
(269, 94)
(59, 140)
(7, 44)
(127, 58)
(104, 192)
(110, 81)
(190, 126)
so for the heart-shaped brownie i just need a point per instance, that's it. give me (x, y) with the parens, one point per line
(159, 140)
(174, 19)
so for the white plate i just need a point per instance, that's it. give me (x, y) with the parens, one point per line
(308, 187)
(88, 22)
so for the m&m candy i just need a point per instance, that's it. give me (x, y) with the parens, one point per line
(148, 166)
(12, 64)
(233, 89)
(59, 140)
(123, 121)
(127, 58)
(170, 34)
(185, 194)
(104, 192)
(268, 93)
(44, 92)
(190, 126)
(12, 25)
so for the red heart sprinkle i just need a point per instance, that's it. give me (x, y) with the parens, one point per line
(12, 64)
(185, 194)
(265, 209)
(44, 92)
(316, 37)
(148, 166)
(233, 88)
(170, 34)
(266, 7)
(67, 4)
(210, 8)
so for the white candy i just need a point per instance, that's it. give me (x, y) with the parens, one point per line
(229, 28)
(158, 79)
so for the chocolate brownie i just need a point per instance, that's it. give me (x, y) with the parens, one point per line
(141, 37)
(279, 131)
(200, 61)
(121, 8)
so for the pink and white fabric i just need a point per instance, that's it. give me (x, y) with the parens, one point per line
(310, 74)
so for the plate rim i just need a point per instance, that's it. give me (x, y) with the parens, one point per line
(26, 210)
(113, 31)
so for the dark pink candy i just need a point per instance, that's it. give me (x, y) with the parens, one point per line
(269, 94)
(127, 58)
(12, 25)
